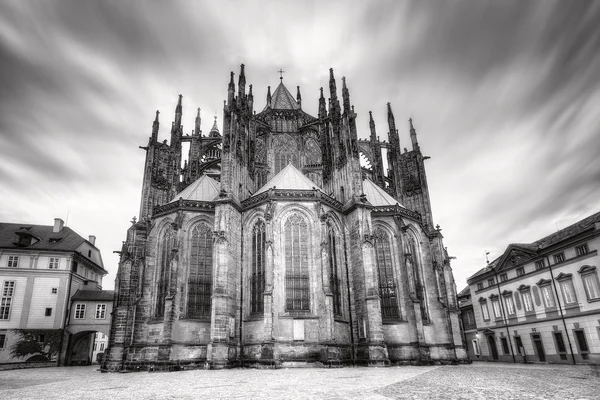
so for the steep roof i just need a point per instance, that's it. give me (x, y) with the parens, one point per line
(289, 178)
(65, 240)
(204, 188)
(282, 99)
(569, 231)
(94, 295)
(377, 196)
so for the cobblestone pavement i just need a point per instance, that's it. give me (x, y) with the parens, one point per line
(476, 381)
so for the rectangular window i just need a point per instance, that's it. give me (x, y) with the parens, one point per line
(13, 262)
(8, 291)
(41, 338)
(548, 296)
(581, 250)
(582, 345)
(510, 305)
(505, 348)
(53, 263)
(568, 291)
(54, 290)
(485, 311)
(491, 282)
(48, 312)
(559, 342)
(527, 301)
(520, 271)
(100, 311)
(79, 311)
(496, 308)
(503, 278)
(539, 264)
(592, 289)
(2, 340)
(480, 286)
(558, 258)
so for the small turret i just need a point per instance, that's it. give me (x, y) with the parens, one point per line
(413, 136)
(322, 106)
(198, 121)
(155, 126)
(269, 96)
(250, 98)
(241, 86)
(345, 97)
(230, 90)
(298, 97)
(178, 111)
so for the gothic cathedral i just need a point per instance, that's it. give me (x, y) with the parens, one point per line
(272, 246)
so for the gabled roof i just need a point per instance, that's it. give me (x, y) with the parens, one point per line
(569, 231)
(282, 99)
(94, 295)
(377, 196)
(289, 178)
(65, 240)
(204, 188)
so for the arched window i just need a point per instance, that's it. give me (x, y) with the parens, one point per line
(167, 244)
(285, 151)
(258, 267)
(313, 152)
(200, 277)
(296, 264)
(334, 275)
(385, 269)
(414, 266)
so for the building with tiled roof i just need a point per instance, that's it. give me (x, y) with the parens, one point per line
(41, 268)
(539, 301)
(274, 246)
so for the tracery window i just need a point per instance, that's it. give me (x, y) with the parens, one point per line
(200, 277)
(296, 264)
(387, 285)
(285, 151)
(258, 268)
(334, 268)
(313, 152)
(166, 248)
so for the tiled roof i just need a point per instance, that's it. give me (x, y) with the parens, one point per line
(377, 196)
(466, 291)
(567, 232)
(65, 240)
(289, 178)
(282, 99)
(204, 188)
(94, 295)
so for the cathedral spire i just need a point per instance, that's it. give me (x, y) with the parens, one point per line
(230, 90)
(345, 96)
(241, 84)
(413, 135)
(155, 126)
(178, 111)
(299, 97)
(198, 121)
(322, 106)
(269, 96)
(332, 87)
(377, 161)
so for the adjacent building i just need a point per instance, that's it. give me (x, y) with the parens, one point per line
(272, 246)
(538, 302)
(41, 268)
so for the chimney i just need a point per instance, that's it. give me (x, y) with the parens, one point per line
(92, 239)
(58, 225)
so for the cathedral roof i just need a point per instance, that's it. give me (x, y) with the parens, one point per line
(204, 188)
(377, 196)
(214, 131)
(289, 178)
(282, 99)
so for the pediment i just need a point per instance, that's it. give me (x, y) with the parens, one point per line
(516, 254)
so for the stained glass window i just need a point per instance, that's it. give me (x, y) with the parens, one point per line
(200, 277)
(258, 267)
(296, 264)
(387, 285)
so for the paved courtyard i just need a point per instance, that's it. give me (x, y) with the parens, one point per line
(476, 381)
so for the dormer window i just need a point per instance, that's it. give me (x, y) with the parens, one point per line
(25, 238)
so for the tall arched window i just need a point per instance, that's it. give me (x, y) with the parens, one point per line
(167, 244)
(313, 152)
(334, 269)
(385, 269)
(296, 264)
(285, 151)
(200, 277)
(414, 264)
(258, 267)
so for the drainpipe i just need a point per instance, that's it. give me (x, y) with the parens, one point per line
(504, 315)
(562, 317)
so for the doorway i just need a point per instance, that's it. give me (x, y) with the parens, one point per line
(538, 346)
(492, 346)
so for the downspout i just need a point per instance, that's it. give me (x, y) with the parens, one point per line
(67, 315)
(562, 317)
(352, 344)
(504, 315)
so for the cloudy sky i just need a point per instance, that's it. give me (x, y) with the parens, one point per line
(505, 97)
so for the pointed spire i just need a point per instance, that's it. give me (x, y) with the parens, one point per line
(332, 87)
(298, 96)
(391, 120)
(242, 82)
(178, 111)
(372, 126)
(250, 98)
(269, 96)
(198, 122)
(413, 135)
(393, 134)
(322, 106)
(345, 96)
(214, 131)
(230, 90)
(155, 126)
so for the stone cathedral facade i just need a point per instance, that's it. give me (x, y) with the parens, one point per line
(272, 246)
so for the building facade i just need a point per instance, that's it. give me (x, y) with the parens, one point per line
(272, 246)
(538, 302)
(41, 268)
